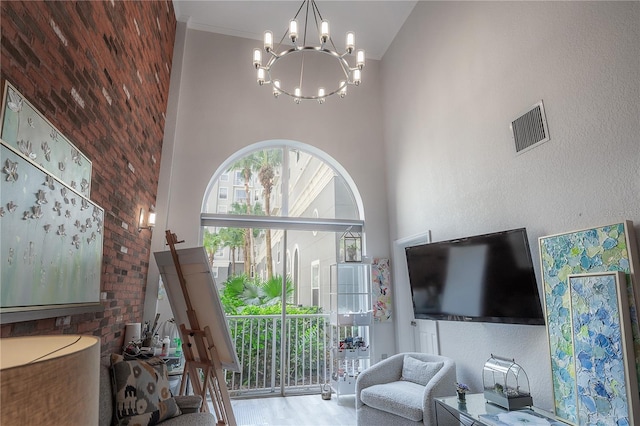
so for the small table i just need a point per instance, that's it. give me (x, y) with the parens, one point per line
(476, 411)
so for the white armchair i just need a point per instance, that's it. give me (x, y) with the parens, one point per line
(400, 391)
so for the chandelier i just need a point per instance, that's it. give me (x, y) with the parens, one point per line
(281, 64)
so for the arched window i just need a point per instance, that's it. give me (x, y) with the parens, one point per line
(280, 195)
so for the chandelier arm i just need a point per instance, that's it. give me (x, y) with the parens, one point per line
(306, 20)
(319, 15)
(300, 8)
(281, 40)
(316, 14)
(332, 44)
(271, 61)
(346, 69)
(301, 72)
(316, 9)
(286, 32)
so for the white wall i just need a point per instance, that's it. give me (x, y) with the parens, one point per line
(220, 109)
(454, 78)
(151, 303)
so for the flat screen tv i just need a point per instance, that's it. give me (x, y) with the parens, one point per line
(484, 278)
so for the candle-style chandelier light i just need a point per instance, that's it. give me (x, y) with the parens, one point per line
(304, 89)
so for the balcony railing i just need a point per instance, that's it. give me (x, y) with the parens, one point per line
(258, 341)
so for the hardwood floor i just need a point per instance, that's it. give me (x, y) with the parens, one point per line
(305, 410)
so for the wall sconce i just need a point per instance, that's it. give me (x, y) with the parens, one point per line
(150, 222)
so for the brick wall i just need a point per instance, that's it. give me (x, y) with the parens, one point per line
(116, 56)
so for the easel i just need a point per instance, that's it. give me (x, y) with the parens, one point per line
(205, 358)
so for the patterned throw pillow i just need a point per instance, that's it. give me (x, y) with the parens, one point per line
(142, 395)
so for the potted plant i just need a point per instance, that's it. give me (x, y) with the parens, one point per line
(461, 390)
(352, 251)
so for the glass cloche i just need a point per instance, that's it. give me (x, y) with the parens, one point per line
(505, 383)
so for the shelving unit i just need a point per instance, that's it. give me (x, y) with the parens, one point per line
(351, 316)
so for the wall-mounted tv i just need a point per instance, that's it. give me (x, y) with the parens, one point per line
(485, 278)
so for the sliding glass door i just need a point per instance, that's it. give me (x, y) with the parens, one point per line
(272, 222)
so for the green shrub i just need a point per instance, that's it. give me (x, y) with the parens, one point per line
(254, 338)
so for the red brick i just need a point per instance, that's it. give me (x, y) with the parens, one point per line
(35, 60)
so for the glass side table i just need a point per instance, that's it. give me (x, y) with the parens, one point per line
(476, 411)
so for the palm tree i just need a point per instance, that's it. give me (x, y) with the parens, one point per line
(246, 166)
(267, 161)
(232, 238)
(256, 292)
(272, 290)
(252, 293)
(230, 294)
(211, 243)
(242, 209)
(234, 286)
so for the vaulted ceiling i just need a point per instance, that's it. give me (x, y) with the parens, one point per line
(375, 23)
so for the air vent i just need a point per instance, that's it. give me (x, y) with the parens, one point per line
(530, 129)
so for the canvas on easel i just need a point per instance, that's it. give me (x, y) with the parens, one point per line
(197, 310)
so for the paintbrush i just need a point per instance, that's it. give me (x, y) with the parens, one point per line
(155, 323)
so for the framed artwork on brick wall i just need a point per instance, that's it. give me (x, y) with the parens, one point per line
(603, 249)
(26, 130)
(51, 240)
(52, 233)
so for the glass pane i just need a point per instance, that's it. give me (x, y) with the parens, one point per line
(308, 257)
(249, 185)
(253, 305)
(316, 190)
(225, 249)
(253, 185)
(311, 256)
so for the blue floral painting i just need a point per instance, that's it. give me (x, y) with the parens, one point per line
(601, 331)
(600, 249)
